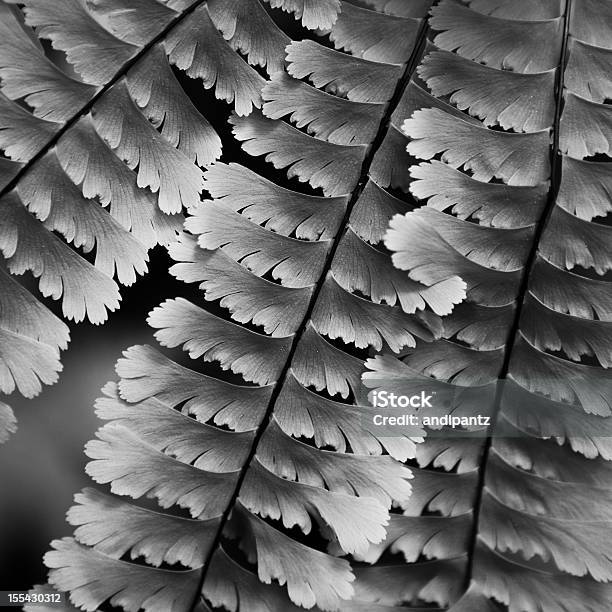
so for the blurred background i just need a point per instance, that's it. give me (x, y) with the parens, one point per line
(42, 465)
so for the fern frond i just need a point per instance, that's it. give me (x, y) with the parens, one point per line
(108, 151)
(535, 544)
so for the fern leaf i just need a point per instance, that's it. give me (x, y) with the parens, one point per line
(584, 189)
(334, 168)
(26, 364)
(374, 36)
(585, 243)
(534, 543)
(586, 128)
(371, 214)
(314, 14)
(233, 586)
(516, 159)
(146, 373)
(284, 211)
(56, 201)
(85, 289)
(242, 24)
(359, 266)
(328, 117)
(569, 293)
(415, 97)
(257, 357)
(492, 204)
(577, 553)
(332, 424)
(293, 262)
(95, 53)
(487, 285)
(24, 315)
(586, 72)
(107, 151)
(521, 46)
(32, 337)
(523, 588)
(590, 22)
(27, 74)
(521, 108)
(249, 298)
(125, 19)
(360, 322)
(106, 522)
(547, 329)
(126, 585)
(434, 538)
(198, 48)
(21, 134)
(161, 168)
(434, 582)
(154, 88)
(357, 79)
(103, 176)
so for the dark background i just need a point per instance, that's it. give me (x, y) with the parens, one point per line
(42, 465)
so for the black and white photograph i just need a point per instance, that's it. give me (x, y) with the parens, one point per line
(306, 305)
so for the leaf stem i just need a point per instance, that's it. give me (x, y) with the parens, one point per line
(92, 101)
(555, 180)
(361, 183)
